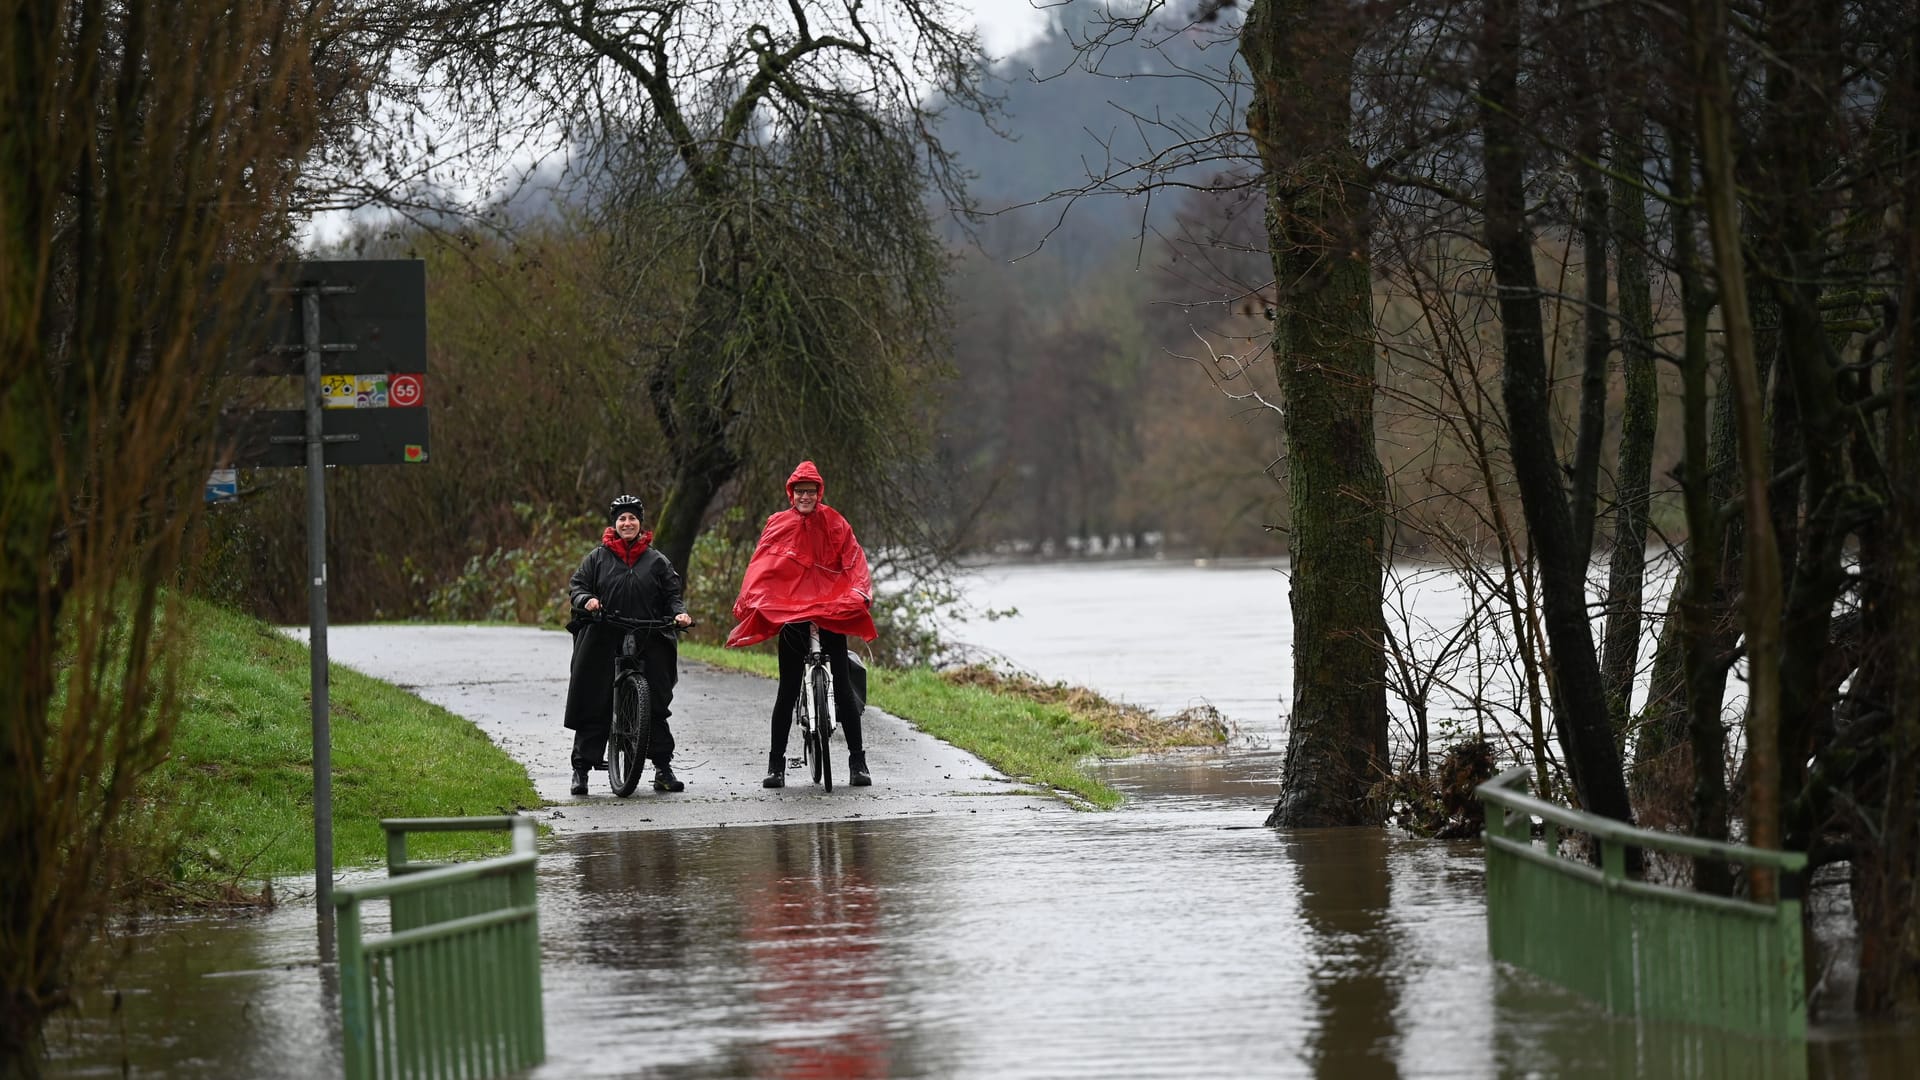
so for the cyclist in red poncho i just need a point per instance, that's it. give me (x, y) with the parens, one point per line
(808, 567)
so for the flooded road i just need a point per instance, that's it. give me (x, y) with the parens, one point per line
(942, 927)
(1166, 939)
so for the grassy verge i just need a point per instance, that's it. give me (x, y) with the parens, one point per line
(1042, 733)
(239, 779)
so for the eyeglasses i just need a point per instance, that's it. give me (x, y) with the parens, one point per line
(799, 491)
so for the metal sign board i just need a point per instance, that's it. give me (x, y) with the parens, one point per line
(373, 319)
(276, 438)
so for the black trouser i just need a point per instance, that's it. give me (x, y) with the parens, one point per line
(793, 659)
(663, 670)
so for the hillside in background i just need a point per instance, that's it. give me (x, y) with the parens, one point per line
(1075, 116)
(1083, 415)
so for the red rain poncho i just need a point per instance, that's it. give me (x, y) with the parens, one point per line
(806, 568)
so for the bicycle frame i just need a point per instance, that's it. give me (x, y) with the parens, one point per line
(816, 660)
(629, 658)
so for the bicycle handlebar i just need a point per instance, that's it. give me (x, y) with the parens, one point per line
(603, 615)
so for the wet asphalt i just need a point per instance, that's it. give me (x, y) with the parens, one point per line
(511, 682)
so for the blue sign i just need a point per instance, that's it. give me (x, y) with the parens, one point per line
(223, 485)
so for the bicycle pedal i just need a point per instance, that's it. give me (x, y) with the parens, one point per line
(796, 763)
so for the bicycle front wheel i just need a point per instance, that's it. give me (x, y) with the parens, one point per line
(627, 742)
(824, 771)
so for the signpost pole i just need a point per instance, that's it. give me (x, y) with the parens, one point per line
(363, 323)
(317, 629)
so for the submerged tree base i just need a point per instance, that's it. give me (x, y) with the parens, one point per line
(1441, 806)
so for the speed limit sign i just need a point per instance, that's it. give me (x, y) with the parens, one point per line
(407, 391)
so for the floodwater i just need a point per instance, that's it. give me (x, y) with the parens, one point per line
(1172, 938)
(1168, 939)
(1168, 634)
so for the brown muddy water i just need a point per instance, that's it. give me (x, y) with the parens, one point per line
(1173, 938)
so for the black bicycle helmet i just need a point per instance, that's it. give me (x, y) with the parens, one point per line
(626, 504)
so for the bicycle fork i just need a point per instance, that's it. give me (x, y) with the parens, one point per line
(817, 661)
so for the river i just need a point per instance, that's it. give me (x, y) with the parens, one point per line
(1167, 634)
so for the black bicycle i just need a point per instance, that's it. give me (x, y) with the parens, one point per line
(815, 708)
(632, 701)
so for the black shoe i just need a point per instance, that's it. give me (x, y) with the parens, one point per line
(579, 781)
(857, 771)
(664, 780)
(776, 771)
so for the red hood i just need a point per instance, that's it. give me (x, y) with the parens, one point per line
(806, 471)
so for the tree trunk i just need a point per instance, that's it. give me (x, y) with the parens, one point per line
(30, 970)
(696, 417)
(1886, 886)
(697, 480)
(1816, 571)
(1762, 600)
(1700, 598)
(1598, 340)
(1664, 721)
(1580, 696)
(1627, 564)
(1301, 56)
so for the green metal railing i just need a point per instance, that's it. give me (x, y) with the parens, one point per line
(454, 990)
(1639, 948)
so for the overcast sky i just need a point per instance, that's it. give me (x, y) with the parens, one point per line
(1005, 25)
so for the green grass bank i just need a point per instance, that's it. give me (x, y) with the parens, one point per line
(1041, 733)
(238, 782)
(236, 796)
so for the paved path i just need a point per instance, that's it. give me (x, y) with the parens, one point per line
(512, 683)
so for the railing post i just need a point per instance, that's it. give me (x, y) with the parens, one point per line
(532, 1016)
(1792, 963)
(356, 1019)
(1617, 946)
(396, 847)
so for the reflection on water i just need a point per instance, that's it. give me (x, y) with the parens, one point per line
(1345, 903)
(679, 943)
(812, 933)
(1164, 940)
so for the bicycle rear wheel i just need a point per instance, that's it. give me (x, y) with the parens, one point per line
(822, 772)
(627, 742)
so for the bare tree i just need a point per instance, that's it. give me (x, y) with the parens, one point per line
(760, 169)
(127, 178)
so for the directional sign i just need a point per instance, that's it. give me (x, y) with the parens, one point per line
(223, 485)
(276, 438)
(373, 319)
